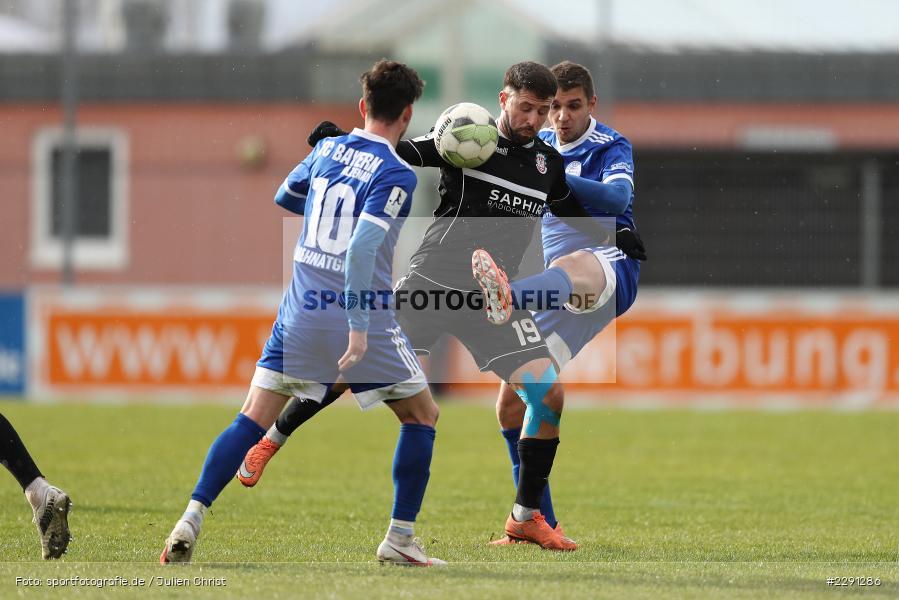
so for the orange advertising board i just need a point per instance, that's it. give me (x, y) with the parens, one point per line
(149, 340)
(743, 349)
(674, 347)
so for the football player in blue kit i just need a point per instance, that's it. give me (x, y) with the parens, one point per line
(355, 192)
(600, 167)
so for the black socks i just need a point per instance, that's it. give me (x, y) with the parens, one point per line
(536, 462)
(14, 456)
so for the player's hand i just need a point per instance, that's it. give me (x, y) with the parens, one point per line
(355, 350)
(629, 242)
(323, 130)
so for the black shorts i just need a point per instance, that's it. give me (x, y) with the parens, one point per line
(426, 310)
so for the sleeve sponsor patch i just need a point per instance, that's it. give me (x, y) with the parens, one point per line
(395, 201)
(622, 166)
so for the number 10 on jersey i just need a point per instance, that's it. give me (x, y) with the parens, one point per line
(329, 205)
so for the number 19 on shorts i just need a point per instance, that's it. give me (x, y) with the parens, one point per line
(527, 331)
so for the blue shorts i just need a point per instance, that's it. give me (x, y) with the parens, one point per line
(299, 361)
(568, 331)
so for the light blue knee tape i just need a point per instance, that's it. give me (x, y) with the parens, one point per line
(533, 394)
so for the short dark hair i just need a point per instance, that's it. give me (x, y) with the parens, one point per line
(572, 75)
(388, 88)
(532, 77)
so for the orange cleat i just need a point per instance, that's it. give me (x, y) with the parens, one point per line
(495, 286)
(510, 541)
(537, 531)
(254, 462)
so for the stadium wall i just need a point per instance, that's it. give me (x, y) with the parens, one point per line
(200, 176)
(198, 182)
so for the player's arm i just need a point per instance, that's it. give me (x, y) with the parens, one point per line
(291, 194)
(420, 151)
(613, 197)
(572, 213)
(289, 199)
(563, 204)
(618, 169)
(385, 208)
(360, 266)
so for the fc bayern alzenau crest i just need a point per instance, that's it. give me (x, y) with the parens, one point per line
(541, 163)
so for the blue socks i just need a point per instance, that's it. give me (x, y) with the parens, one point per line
(548, 290)
(224, 458)
(546, 502)
(411, 469)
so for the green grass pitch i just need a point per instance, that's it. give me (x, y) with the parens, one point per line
(664, 504)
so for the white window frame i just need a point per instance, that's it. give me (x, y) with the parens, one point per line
(46, 250)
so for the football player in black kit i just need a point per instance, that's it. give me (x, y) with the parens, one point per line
(494, 207)
(49, 504)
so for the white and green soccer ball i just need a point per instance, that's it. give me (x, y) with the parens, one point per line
(465, 135)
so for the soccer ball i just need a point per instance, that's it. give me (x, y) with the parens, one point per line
(465, 135)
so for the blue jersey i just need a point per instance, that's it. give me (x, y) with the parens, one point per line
(601, 154)
(345, 180)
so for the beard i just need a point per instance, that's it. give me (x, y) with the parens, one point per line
(519, 136)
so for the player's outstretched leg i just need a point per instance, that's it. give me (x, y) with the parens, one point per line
(298, 411)
(536, 451)
(224, 456)
(548, 290)
(50, 505)
(411, 471)
(495, 285)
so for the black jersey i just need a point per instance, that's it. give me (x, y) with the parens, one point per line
(496, 206)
